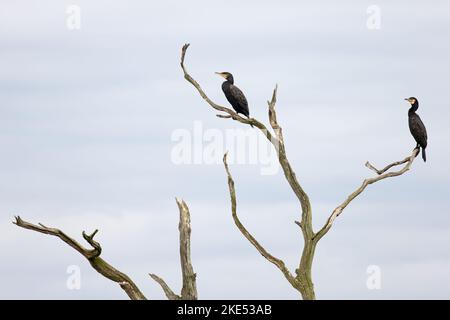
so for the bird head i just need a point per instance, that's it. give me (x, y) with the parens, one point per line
(412, 100)
(228, 76)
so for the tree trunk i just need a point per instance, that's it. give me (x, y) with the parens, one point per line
(304, 278)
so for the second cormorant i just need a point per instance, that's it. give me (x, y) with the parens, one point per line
(416, 126)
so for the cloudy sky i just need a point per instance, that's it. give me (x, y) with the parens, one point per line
(87, 118)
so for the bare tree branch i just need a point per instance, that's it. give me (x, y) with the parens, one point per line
(277, 262)
(382, 174)
(306, 221)
(92, 255)
(189, 289)
(397, 163)
(273, 116)
(169, 293)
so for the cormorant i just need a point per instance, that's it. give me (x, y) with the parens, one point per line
(234, 95)
(416, 126)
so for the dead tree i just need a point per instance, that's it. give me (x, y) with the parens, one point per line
(302, 280)
(189, 290)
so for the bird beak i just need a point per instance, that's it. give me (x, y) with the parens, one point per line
(407, 99)
(221, 74)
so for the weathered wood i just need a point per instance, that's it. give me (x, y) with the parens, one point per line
(189, 290)
(92, 255)
(382, 174)
(189, 277)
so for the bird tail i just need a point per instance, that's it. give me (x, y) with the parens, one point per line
(424, 155)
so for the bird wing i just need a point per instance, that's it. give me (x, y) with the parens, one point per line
(418, 130)
(237, 99)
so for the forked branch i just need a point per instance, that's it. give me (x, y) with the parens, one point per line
(382, 174)
(92, 255)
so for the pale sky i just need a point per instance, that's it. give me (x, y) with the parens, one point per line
(87, 117)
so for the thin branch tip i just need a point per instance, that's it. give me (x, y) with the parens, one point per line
(17, 220)
(381, 175)
(89, 236)
(183, 51)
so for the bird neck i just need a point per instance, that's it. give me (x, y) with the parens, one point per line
(230, 79)
(414, 107)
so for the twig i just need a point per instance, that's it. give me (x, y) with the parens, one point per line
(397, 163)
(169, 293)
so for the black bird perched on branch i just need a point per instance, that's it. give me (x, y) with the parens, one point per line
(416, 126)
(234, 95)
